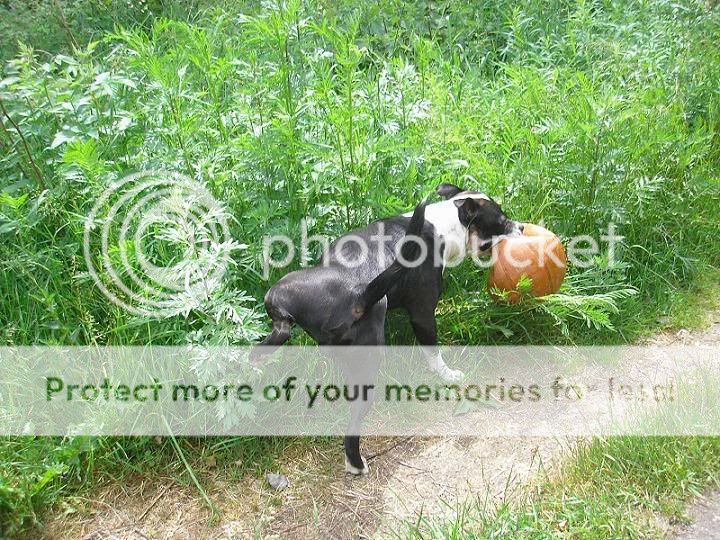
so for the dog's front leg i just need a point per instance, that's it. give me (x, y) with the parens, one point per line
(425, 328)
(437, 365)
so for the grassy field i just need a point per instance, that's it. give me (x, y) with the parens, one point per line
(575, 113)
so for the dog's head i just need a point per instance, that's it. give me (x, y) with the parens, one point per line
(483, 218)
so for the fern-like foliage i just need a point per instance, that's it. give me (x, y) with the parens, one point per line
(594, 310)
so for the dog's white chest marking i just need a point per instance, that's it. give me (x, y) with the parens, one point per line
(444, 217)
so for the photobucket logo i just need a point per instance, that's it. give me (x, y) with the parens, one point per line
(353, 250)
(164, 243)
(349, 251)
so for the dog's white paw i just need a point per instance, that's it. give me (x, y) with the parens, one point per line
(451, 375)
(354, 470)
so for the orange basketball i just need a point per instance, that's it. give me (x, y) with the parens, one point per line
(537, 254)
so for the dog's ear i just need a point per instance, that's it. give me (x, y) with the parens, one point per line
(448, 191)
(469, 203)
(468, 209)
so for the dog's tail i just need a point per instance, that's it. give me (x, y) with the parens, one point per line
(409, 252)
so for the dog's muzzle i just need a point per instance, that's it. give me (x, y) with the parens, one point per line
(513, 231)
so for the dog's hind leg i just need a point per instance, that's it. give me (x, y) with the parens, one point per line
(280, 333)
(281, 326)
(360, 366)
(360, 373)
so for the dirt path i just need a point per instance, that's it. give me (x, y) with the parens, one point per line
(705, 515)
(409, 477)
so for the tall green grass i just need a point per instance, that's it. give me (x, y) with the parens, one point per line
(576, 113)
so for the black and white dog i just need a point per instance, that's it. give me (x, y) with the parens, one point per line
(343, 300)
